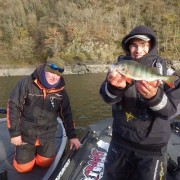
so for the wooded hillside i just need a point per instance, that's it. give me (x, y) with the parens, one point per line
(82, 30)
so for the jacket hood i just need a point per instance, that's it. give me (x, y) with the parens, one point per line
(36, 74)
(140, 30)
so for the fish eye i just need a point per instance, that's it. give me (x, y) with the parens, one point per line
(124, 68)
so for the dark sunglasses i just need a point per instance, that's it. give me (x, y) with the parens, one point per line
(54, 67)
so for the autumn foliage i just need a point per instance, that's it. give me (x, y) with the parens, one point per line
(82, 30)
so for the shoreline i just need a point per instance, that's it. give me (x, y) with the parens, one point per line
(75, 69)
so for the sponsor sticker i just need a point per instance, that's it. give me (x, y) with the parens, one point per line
(95, 168)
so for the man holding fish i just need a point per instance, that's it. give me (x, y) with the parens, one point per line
(144, 97)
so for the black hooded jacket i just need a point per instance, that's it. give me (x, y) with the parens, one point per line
(33, 110)
(142, 124)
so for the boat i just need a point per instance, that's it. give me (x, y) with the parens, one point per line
(87, 163)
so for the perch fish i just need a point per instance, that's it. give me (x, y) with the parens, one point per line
(133, 70)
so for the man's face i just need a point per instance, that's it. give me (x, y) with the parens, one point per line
(52, 78)
(138, 48)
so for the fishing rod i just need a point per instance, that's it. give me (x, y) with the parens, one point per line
(3, 111)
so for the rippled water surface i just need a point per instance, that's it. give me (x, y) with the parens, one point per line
(83, 90)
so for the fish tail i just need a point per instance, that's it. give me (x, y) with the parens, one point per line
(169, 80)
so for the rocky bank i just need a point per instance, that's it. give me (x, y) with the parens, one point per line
(76, 69)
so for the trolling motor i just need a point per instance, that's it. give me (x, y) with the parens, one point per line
(3, 111)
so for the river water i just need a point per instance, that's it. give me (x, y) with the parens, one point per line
(83, 90)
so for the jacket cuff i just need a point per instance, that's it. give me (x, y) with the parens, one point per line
(114, 90)
(158, 101)
(72, 135)
(14, 133)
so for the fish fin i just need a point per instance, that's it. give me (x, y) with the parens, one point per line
(170, 80)
(129, 80)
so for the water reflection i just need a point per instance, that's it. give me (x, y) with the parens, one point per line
(83, 90)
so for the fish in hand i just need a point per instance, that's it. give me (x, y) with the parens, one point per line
(133, 70)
